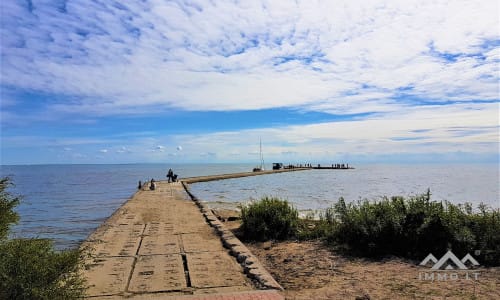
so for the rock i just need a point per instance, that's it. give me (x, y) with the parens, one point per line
(267, 245)
(241, 257)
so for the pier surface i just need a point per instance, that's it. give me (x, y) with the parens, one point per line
(161, 245)
(238, 175)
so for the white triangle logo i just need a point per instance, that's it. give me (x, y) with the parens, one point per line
(449, 256)
(469, 258)
(428, 258)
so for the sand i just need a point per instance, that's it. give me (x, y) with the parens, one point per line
(311, 270)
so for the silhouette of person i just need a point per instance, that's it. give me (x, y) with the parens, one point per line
(170, 175)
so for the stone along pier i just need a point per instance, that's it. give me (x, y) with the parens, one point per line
(163, 245)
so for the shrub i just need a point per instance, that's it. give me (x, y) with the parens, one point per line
(269, 218)
(415, 227)
(30, 268)
(7, 203)
(316, 226)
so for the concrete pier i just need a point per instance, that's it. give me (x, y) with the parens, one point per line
(190, 180)
(163, 245)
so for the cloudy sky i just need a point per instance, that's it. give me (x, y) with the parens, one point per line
(188, 81)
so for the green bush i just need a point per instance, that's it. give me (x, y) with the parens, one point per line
(269, 218)
(316, 225)
(30, 268)
(407, 227)
(413, 228)
(7, 204)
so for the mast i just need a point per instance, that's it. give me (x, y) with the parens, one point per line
(261, 157)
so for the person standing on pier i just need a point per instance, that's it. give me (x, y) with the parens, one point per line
(170, 175)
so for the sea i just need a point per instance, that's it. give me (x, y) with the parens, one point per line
(65, 203)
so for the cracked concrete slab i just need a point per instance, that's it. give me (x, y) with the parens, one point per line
(204, 265)
(156, 273)
(194, 242)
(112, 275)
(159, 243)
(115, 239)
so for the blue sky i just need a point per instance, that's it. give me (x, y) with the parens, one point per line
(204, 81)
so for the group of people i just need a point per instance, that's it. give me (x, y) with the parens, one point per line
(171, 176)
(152, 184)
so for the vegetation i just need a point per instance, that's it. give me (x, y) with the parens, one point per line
(406, 227)
(269, 218)
(30, 268)
(7, 203)
(414, 228)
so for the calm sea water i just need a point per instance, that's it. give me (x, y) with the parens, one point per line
(318, 189)
(67, 202)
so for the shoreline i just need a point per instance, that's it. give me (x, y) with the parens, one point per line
(309, 269)
(65, 188)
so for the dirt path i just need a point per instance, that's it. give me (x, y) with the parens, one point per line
(309, 270)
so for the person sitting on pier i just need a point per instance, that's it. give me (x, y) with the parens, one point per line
(152, 185)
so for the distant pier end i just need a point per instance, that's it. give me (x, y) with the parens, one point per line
(281, 166)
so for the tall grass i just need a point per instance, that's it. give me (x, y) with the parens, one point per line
(414, 227)
(407, 227)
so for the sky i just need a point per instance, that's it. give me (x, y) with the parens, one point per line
(205, 81)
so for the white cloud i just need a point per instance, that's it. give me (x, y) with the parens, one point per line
(123, 150)
(159, 148)
(391, 59)
(428, 130)
(127, 58)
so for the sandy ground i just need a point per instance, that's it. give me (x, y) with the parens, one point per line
(310, 270)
